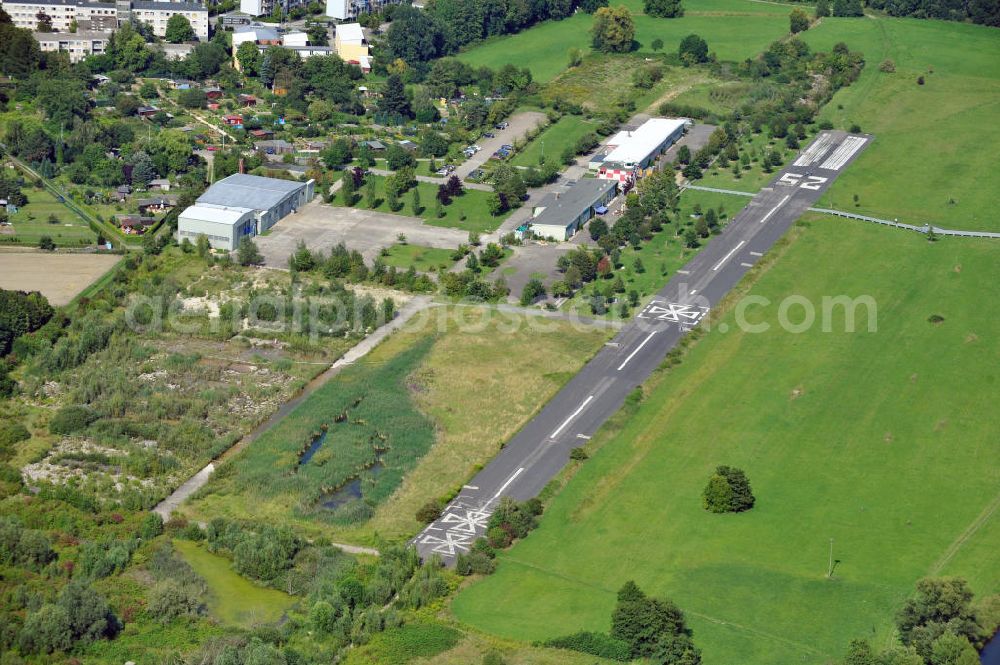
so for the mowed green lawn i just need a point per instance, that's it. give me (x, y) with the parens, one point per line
(32, 222)
(886, 442)
(734, 29)
(553, 141)
(934, 155)
(424, 259)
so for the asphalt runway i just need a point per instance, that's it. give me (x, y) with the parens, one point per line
(541, 449)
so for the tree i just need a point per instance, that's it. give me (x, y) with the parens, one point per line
(940, 604)
(415, 206)
(575, 57)
(90, 617)
(591, 6)
(656, 44)
(248, 57)
(613, 30)
(652, 628)
(598, 228)
(693, 49)
(847, 8)
(63, 99)
(684, 154)
(178, 30)
(414, 36)
(247, 253)
(46, 243)
(952, 649)
(397, 157)
(663, 8)
(822, 8)
(46, 630)
(337, 153)
(192, 98)
(798, 20)
(728, 490)
(394, 101)
(348, 188)
(371, 192)
(533, 290)
(44, 22)
(143, 169)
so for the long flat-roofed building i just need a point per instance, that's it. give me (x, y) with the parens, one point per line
(240, 206)
(78, 44)
(62, 13)
(632, 151)
(560, 215)
(156, 15)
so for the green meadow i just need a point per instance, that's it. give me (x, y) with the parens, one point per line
(934, 155)
(423, 259)
(35, 220)
(879, 442)
(734, 30)
(555, 138)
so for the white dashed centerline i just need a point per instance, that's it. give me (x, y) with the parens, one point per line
(775, 208)
(727, 256)
(571, 417)
(637, 349)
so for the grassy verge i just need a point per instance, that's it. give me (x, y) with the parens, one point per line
(550, 144)
(866, 438)
(423, 259)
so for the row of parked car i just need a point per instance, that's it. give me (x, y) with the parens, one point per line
(503, 152)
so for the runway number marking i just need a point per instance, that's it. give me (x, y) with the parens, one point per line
(813, 182)
(571, 417)
(637, 349)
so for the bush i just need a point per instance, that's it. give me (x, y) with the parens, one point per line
(11, 433)
(474, 563)
(595, 644)
(72, 418)
(728, 491)
(578, 454)
(429, 512)
(151, 527)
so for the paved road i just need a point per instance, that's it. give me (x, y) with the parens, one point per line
(541, 449)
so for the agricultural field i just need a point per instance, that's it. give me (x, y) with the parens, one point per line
(734, 30)
(468, 212)
(933, 158)
(878, 442)
(422, 259)
(45, 216)
(406, 441)
(232, 598)
(59, 277)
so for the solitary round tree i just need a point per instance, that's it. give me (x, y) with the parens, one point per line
(728, 491)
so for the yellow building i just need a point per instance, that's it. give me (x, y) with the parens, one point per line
(351, 45)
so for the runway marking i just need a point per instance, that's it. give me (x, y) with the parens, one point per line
(470, 487)
(775, 208)
(637, 349)
(843, 153)
(683, 272)
(731, 252)
(674, 313)
(583, 436)
(814, 151)
(747, 265)
(756, 254)
(516, 474)
(567, 421)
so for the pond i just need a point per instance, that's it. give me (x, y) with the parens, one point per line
(991, 653)
(350, 490)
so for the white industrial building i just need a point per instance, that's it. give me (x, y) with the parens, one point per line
(241, 205)
(343, 10)
(561, 214)
(632, 151)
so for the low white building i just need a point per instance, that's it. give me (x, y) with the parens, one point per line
(241, 206)
(343, 10)
(78, 44)
(156, 15)
(632, 151)
(561, 214)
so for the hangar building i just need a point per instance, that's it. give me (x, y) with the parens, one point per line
(241, 205)
(633, 151)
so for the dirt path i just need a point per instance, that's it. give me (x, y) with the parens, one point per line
(167, 507)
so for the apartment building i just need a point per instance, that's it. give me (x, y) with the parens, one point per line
(62, 13)
(78, 44)
(344, 10)
(156, 14)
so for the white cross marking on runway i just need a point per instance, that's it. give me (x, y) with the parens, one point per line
(674, 312)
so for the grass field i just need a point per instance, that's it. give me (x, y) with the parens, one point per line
(934, 155)
(564, 133)
(478, 383)
(883, 442)
(734, 29)
(31, 222)
(424, 259)
(60, 277)
(232, 598)
(467, 212)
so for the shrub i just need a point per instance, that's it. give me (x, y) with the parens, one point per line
(11, 433)
(151, 527)
(728, 491)
(429, 512)
(578, 454)
(595, 644)
(71, 419)
(474, 563)
(887, 66)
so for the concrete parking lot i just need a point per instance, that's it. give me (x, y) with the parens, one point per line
(519, 125)
(323, 226)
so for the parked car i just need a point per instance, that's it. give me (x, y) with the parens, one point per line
(211, 148)
(441, 172)
(506, 146)
(489, 135)
(502, 125)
